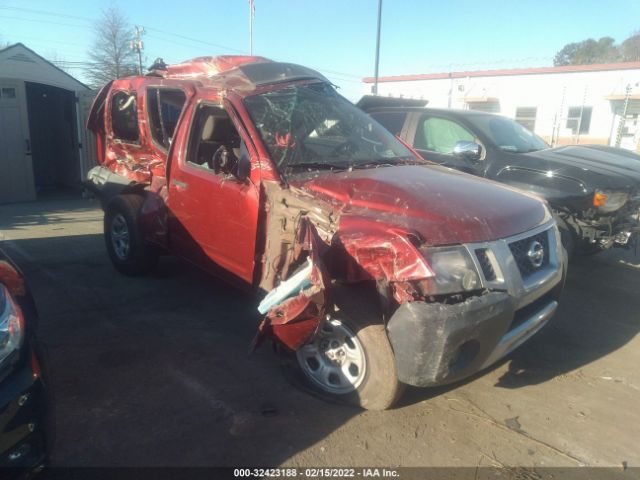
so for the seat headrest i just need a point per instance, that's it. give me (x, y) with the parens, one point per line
(207, 129)
(217, 128)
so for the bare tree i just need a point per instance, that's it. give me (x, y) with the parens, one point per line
(111, 54)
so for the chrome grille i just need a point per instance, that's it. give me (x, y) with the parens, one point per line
(520, 248)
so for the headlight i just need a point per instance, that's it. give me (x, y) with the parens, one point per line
(11, 325)
(608, 201)
(454, 271)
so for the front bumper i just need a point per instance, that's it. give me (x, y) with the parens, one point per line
(25, 421)
(616, 229)
(437, 343)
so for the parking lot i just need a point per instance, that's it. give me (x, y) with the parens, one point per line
(154, 371)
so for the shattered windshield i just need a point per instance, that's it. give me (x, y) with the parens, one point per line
(508, 135)
(311, 127)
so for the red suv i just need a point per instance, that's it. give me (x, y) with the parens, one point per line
(377, 268)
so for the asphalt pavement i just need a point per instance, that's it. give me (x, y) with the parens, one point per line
(155, 371)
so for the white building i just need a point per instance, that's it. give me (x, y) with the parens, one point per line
(570, 104)
(42, 132)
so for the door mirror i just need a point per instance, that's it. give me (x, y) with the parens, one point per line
(467, 150)
(243, 169)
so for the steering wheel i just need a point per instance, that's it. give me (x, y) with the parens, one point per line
(344, 149)
(223, 160)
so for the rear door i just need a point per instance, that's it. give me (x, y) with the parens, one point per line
(213, 215)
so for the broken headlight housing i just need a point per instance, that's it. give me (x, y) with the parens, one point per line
(453, 268)
(608, 201)
(11, 326)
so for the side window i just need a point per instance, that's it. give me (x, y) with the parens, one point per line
(214, 142)
(124, 116)
(392, 121)
(164, 107)
(440, 134)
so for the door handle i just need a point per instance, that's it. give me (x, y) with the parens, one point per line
(27, 144)
(179, 185)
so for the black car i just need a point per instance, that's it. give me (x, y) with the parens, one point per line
(594, 191)
(25, 419)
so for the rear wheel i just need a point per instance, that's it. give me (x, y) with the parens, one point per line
(350, 359)
(124, 236)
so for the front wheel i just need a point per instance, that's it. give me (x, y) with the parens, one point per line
(124, 236)
(350, 358)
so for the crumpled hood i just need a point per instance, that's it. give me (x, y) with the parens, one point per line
(597, 167)
(444, 206)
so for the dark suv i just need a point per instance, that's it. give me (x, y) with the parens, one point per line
(594, 191)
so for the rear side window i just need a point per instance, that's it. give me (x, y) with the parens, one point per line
(164, 107)
(440, 134)
(392, 121)
(124, 116)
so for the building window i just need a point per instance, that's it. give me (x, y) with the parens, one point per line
(579, 119)
(489, 107)
(124, 116)
(8, 93)
(526, 116)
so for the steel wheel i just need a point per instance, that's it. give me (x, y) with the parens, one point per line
(335, 359)
(120, 236)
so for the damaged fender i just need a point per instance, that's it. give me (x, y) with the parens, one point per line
(386, 254)
(302, 300)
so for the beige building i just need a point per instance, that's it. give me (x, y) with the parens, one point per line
(564, 105)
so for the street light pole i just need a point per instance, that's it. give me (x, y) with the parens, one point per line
(375, 84)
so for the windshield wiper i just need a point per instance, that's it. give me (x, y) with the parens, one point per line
(316, 166)
(392, 162)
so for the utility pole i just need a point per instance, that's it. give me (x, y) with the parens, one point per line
(252, 12)
(623, 118)
(375, 84)
(137, 46)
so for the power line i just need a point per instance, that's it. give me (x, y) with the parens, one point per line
(150, 28)
(42, 12)
(43, 21)
(163, 32)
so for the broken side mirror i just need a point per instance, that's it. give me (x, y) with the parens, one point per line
(467, 150)
(243, 169)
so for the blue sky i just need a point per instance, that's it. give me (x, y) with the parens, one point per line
(336, 37)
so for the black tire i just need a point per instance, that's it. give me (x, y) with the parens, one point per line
(567, 235)
(139, 258)
(379, 388)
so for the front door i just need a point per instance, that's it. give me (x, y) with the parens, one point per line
(435, 137)
(214, 215)
(16, 174)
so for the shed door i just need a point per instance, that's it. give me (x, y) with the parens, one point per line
(16, 176)
(88, 158)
